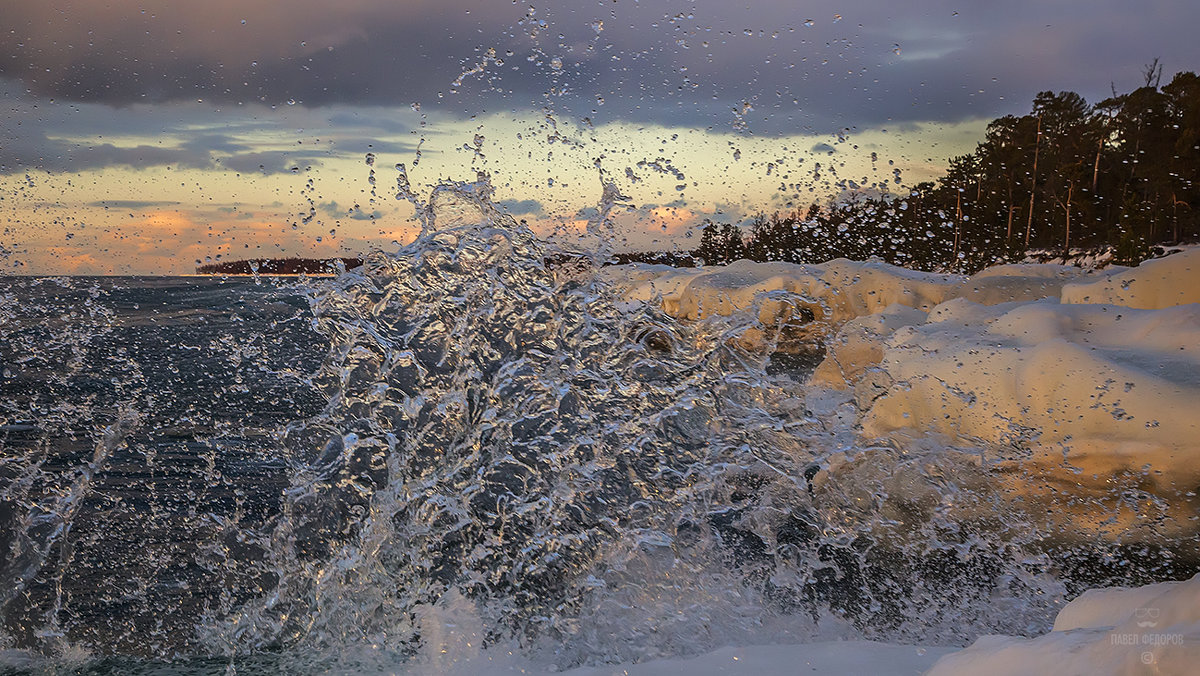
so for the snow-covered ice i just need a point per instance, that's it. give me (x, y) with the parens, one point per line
(1065, 377)
(1080, 374)
(1155, 284)
(835, 291)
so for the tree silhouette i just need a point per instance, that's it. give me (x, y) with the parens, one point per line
(1124, 173)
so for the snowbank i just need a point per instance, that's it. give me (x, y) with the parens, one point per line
(859, 345)
(1056, 375)
(1106, 388)
(1086, 398)
(833, 292)
(1148, 630)
(1158, 283)
(840, 290)
(1018, 282)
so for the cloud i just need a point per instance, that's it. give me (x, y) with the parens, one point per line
(823, 148)
(332, 209)
(269, 162)
(128, 51)
(171, 241)
(358, 214)
(670, 220)
(214, 143)
(76, 138)
(522, 207)
(38, 151)
(765, 67)
(586, 214)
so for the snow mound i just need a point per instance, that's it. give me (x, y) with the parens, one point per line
(1018, 282)
(1034, 270)
(859, 345)
(1097, 396)
(1158, 283)
(1091, 389)
(1147, 630)
(642, 283)
(839, 290)
(834, 292)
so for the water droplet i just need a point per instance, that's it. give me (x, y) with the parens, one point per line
(809, 23)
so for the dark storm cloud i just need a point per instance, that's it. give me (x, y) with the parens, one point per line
(64, 137)
(20, 154)
(309, 51)
(763, 66)
(39, 151)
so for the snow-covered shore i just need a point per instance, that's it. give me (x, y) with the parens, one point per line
(1065, 382)
(1064, 375)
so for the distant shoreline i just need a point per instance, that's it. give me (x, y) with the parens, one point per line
(280, 267)
(249, 274)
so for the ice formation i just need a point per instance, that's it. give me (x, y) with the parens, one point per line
(1052, 374)
(1155, 284)
(834, 292)
(1066, 383)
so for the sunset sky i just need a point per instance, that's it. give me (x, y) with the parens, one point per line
(142, 137)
